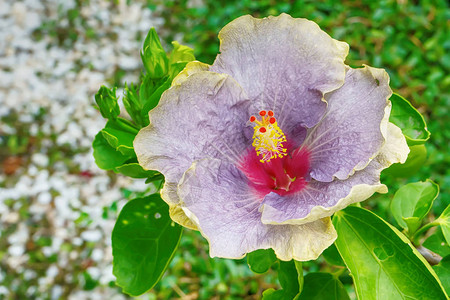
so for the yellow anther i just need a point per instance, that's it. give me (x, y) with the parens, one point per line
(268, 138)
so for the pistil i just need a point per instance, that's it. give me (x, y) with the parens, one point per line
(268, 138)
(274, 166)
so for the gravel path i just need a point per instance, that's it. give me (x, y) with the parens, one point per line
(57, 209)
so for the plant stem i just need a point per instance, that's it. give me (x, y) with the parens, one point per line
(421, 230)
(431, 257)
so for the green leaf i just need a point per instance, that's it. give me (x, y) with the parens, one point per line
(107, 102)
(416, 158)
(382, 262)
(153, 56)
(144, 241)
(323, 286)
(134, 170)
(436, 243)
(332, 256)
(444, 221)
(261, 260)
(413, 200)
(106, 157)
(410, 121)
(119, 137)
(443, 272)
(290, 276)
(412, 223)
(156, 177)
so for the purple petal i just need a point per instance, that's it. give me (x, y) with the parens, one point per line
(284, 64)
(322, 199)
(203, 116)
(216, 195)
(283, 209)
(350, 134)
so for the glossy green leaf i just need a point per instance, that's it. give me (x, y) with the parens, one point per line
(416, 158)
(106, 157)
(107, 102)
(444, 221)
(134, 170)
(413, 200)
(261, 260)
(153, 56)
(410, 121)
(144, 241)
(412, 223)
(332, 256)
(156, 177)
(120, 138)
(382, 262)
(443, 272)
(290, 276)
(323, 286)
(437, 243)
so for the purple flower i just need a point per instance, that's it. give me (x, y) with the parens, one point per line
(261, 148)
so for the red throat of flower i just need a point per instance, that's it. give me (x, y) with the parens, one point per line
(274, 166)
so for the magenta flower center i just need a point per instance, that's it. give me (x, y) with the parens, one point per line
(274, 166)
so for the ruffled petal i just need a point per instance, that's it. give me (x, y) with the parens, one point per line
(321, 199)
(353, 129)
(217, 197)
(202, 115)
(284, 64)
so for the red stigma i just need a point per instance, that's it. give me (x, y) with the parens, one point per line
(272, 120)
(270, 113)
(252, 119)
(262, 129)
(262, 113)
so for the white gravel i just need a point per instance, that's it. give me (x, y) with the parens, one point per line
(61, 204)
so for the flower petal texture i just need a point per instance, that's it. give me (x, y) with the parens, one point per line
(322, 199)
(259, 149)
(199, 118)
(284, 64)
(350, 134)
(217, 195)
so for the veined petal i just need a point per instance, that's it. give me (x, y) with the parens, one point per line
(203, 116)
(353, 130)
(284, 64)
(322, 199)
(217, 197)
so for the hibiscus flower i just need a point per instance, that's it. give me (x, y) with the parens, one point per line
(259, 149)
